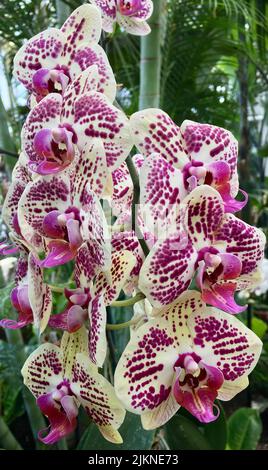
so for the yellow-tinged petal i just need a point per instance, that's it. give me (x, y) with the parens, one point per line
(97, 396)
(110, 283)
(71, 345)
(43, 370)
(111, 434)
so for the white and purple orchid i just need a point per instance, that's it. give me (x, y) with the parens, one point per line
(54, 58)
(131, 15)
(75, 156)
(63, 378)
(59, 127)
(188, 356)
(225, 251)
(203, 153)
(64, 216)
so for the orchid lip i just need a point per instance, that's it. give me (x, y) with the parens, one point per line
(55, 147)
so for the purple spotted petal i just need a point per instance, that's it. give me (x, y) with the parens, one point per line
(97, 396)
(168, 270)
(87, 81)
(108, 13)
(90, 261)
(97, 333)
(42, 51)
(144, 374)
(90, 169)
(82, 27)
(224, 342)
(133, 25)
(129, 241)
(94, 55)
(242, 240)
(162, 190)
(204, 211)
(109, 283)
(39, 294)
(154, 131)
(94, 116)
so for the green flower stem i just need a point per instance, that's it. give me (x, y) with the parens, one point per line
(150, 62)
(128, 302)
(120, 326)
(7, 440)
(136, 199)
(57, 289)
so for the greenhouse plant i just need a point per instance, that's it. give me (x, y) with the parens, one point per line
(134, 199)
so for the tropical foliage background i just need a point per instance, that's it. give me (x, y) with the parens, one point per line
(214, 69)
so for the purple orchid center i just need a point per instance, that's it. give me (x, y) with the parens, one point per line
(47, 81)
(194, 173)
(63, 226)
(129, 7)
(56, 150)
(196, 386)
(60, 406)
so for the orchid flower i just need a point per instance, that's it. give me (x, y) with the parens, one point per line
(225, 251)
(131, 15)
(203, 153)
(89, 300)
(187, 356)
(31, 297)
(58, 127)
(52, 59)
(65, 213)
(63, 378)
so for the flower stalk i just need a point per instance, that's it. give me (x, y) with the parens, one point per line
(150, 62)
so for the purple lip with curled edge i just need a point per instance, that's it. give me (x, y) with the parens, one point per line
(61, 409)
(64, 230)
(55, 147)
(129, 7)
(216, 174)
(47, 81)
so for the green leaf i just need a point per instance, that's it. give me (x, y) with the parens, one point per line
(259, 327)
(134, 437)
(244, 429)
(183, 434)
